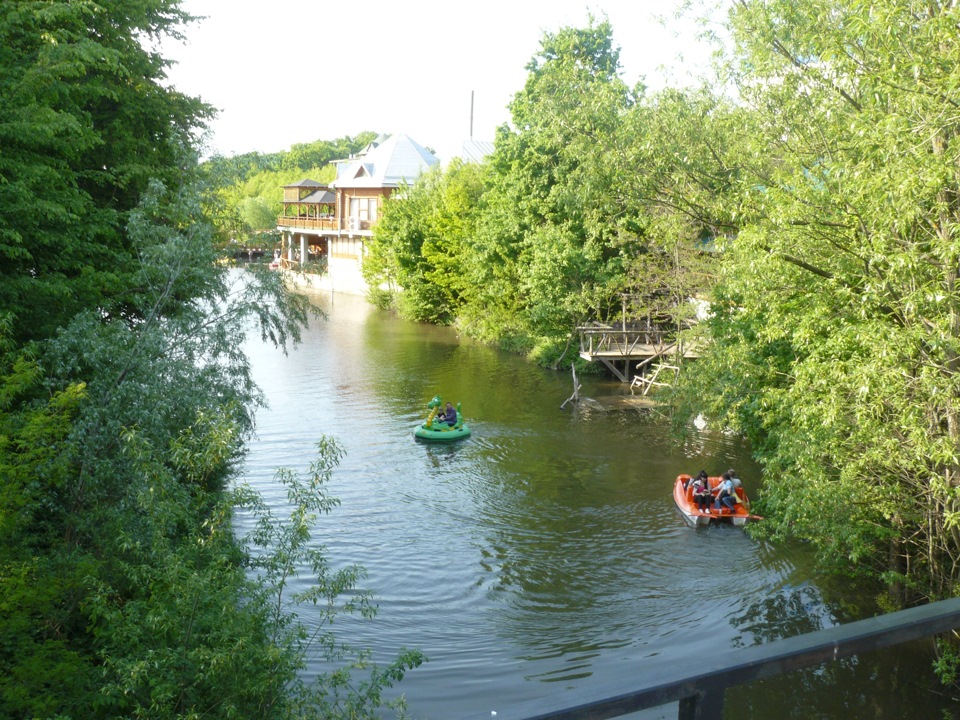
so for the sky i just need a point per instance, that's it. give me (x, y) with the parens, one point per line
(296, 71)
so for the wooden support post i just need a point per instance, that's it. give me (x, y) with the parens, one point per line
(576, 389)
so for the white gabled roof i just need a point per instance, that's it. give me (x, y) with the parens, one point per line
(476, 150)
(395, 161)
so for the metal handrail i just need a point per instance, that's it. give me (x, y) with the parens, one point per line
(701, 695)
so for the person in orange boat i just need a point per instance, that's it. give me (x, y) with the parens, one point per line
(701, 491)
(725, 494)
(734, 479)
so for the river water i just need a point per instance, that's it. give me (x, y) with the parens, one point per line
(543, 554)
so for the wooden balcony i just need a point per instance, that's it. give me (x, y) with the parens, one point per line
(324, 224)
(316, 224)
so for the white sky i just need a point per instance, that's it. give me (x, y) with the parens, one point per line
(295, 71)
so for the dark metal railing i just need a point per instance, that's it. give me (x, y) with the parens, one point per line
(701, 696)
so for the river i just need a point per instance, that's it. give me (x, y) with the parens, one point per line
(544, 553)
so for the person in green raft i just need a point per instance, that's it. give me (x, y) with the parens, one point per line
(444, 423)
(449, 416)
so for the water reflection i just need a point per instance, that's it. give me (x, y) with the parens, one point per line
(892, 683)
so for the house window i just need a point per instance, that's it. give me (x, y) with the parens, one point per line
(364, 208)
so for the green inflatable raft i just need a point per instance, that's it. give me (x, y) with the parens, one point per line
(434, 430)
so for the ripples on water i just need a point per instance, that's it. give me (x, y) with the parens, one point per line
(544, 549)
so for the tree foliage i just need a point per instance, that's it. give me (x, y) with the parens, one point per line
(582, 214)
(416, 258)
(124, 587)
(125, 401)
(85, 123)
(836, 335)
(810, 195)
(541, 256)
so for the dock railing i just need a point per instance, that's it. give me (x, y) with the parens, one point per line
(597, 339)
(619, 348)
(701, 695)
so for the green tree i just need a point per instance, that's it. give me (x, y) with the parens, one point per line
(86, 121)
(673, 213)
(121, 574)
(321, 153)
(416, 258)
(543, 258)
(836, 329)
(258, 214)
(83, 516)
(125, 400)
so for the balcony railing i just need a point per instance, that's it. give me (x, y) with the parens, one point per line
(308, 223)
(329, 224)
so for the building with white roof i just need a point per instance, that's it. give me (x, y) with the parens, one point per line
(330, 224)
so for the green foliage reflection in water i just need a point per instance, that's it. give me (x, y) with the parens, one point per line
(283, 548)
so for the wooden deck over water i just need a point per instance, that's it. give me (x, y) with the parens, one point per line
(621, 348)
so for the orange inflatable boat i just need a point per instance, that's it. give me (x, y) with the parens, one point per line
(683, 497)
